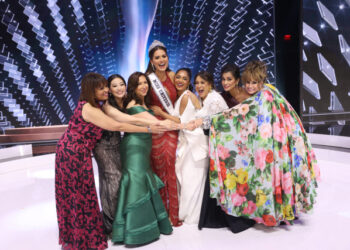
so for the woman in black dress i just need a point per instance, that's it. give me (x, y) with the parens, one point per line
(107, 156)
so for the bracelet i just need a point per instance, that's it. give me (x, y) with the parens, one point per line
(149, 129)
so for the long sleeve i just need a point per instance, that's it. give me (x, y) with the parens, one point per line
(213, 104)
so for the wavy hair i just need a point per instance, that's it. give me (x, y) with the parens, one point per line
(90, 82)
(133, 83)
(256, 70)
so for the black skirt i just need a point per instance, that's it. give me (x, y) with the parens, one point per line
(212, 216)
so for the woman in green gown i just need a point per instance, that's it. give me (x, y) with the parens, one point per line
(140, 215)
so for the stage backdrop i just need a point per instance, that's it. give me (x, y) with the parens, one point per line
(47, 46)
(325, 96)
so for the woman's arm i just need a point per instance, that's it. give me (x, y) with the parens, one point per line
(122, 117)
(158, 111)
(194, 99)
(171, 75)
(100, 119)
(170, 125)
(214, 103)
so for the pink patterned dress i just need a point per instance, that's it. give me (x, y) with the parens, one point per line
(78, 213)
(163, 158)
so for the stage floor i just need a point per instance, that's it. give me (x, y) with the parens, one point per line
(28, 213)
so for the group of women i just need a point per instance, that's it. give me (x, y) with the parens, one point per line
(229, 160)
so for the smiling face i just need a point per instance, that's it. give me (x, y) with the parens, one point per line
(101, 92)
(160, 60)
(254, 76)
(142, 88)
(118, 88)
(228, 81)
(253, 86)
(202, 86)
(182, 81)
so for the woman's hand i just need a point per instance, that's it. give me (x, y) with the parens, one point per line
(196, 123)
(191, 125)
(157, 128)
(170, 125)
(157, 110)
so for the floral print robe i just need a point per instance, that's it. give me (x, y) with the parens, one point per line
(262, 165)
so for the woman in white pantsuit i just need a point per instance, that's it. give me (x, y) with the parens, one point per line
(192, 150)
(191, 165)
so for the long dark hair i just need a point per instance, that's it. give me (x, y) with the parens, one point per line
(233, 69)
(133, 83)
(189, 73)
(90, 82)
(111, 98)
(149, 69)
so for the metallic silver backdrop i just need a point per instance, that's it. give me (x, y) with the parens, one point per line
(325, 96)
(47, 46)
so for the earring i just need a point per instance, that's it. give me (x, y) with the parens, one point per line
(153, 67)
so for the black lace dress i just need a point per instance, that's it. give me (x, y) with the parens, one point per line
(106, 153)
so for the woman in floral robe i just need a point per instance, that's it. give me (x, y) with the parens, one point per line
(262, 165)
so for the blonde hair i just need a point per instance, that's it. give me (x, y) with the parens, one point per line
(254, 70)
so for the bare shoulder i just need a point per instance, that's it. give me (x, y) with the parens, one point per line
(132, 103)
(171, 75)
(87, 106)
(191, 94)
(184, 100)
(88, 111)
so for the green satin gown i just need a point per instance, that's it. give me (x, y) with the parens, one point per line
(140, 215)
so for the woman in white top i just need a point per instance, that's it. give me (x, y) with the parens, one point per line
(212, 101)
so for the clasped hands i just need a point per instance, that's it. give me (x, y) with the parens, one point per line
(193, 124)
(168, 125)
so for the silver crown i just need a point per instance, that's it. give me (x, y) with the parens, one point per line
(154, 44)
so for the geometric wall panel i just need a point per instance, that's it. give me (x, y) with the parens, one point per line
(326, 67)
(47, 46)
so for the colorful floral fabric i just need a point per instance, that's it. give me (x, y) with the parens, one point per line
(262, 165)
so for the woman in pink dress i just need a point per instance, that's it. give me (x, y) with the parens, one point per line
(164, 145)
(78, 213)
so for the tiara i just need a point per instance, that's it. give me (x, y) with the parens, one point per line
(154, 44)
